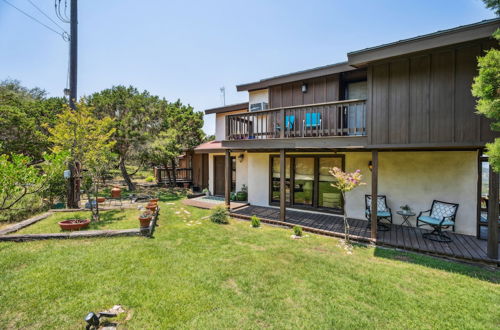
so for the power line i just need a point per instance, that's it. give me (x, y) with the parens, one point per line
(64, 35)
(44, 14)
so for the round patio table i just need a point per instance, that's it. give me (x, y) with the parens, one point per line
(406, 216)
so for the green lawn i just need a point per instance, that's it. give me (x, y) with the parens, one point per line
(196, 274)
(114, 219)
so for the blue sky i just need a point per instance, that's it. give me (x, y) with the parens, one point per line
(189, 49)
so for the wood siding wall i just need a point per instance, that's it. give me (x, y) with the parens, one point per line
(426, 99)
(324, 89)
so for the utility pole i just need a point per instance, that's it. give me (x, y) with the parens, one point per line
(223, 92)
(74, 181)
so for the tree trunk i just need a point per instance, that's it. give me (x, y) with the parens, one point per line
(73, 196)
(346, 223)
(174, 172)
(165, 165)
(126, 177)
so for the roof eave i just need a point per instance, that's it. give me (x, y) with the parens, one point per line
(429, 41)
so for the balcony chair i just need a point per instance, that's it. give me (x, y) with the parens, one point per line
(384, 212)
(289, 123)
(312, 120)
(441, 216)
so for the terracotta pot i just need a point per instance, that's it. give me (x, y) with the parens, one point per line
(74, 224)
(154, 200)
(152, 207)
(101, 199)
(145, 221)
(116, 192)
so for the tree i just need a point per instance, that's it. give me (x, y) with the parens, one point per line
(493, 5)
(486, 88)
(181, 130)
(89, 142)
(135, 117)
(25, 116)
(21, 177)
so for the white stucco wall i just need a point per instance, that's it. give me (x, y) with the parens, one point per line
(261, 95)
(258, 179)
(413, 178)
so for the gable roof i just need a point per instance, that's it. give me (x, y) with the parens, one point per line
(228, 108)
(464, 33)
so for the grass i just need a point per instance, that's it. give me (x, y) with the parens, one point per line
(196, 275)
(114, 219)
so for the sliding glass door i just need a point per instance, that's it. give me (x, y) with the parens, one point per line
(308, 181)
(303, 181)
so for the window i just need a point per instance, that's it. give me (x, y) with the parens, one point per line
(275, 182)
(310, 177)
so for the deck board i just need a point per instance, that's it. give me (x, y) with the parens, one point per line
(410, 238)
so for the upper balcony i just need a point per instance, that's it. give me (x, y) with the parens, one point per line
(331, 119)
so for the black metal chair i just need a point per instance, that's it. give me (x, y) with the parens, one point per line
(384, 212)
(441, 216)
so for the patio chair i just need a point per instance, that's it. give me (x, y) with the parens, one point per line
(384, 212)
(441, 216)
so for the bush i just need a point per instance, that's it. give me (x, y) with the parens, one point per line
(150, 179)
(297, 230)
(220, 215)
(255, 221)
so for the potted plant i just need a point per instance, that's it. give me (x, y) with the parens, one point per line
(145, 218)
(101, 199)
(206, 192)
(406, 208)
(152, 206)
(74, 224)
(154, 200)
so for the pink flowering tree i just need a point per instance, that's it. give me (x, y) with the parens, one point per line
(346, 182)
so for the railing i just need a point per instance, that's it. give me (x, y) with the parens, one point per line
(340, 118)
(182, 174)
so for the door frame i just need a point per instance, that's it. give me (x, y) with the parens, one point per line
(214, 171)
(315, 200)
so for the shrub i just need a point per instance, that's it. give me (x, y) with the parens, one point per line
(150, 179)
(297, 230)
(255, 221)
(220, 215)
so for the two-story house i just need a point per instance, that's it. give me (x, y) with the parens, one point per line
(402, 113)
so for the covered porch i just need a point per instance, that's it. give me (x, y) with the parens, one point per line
(403, 179)
(463, 247)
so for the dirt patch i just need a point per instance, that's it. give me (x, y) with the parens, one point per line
(232, 285)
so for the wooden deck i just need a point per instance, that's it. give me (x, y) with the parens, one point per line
(463, 247)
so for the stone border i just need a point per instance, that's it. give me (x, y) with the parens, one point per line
(74, 234)
(25, 223)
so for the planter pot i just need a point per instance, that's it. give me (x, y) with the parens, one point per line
(151, 207)
(145, 222)
(101, 199)
(74, 224)
(154, 200)
(116, 192)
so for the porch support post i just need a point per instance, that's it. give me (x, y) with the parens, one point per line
(493, 215)
(228, 180)
(282, 185)
(374, 210)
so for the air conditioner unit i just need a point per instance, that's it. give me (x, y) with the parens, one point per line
(259, 106)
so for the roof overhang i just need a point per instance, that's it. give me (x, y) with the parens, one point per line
(443, 38)
(228, 108)
(296, 76)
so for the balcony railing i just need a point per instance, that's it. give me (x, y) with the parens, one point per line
(340, 118)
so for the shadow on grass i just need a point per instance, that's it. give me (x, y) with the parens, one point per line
(169, 196)
(481, 272)
(107, 218)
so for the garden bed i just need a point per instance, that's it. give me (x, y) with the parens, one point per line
(112, 219)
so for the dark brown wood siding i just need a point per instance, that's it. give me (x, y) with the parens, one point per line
(426, 98)
(319, 90)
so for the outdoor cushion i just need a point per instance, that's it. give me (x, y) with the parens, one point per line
(434, 221)
(313, 119)
(381, 214)
(289, 121)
